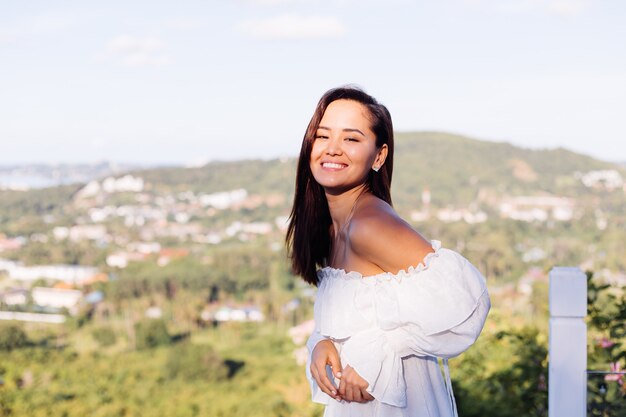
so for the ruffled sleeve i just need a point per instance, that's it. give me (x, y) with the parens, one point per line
(435, 309)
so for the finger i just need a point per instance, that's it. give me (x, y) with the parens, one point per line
(322, 381)
(366, 396)
(335, 363)
(342, 388)
(331, 389)
(349, 392)
(356, 392)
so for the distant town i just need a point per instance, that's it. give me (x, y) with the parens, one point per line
(154, 217)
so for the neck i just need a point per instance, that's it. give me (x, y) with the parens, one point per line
(341, 206)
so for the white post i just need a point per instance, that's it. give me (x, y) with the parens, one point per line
(567, 385)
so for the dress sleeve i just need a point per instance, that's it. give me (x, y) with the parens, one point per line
(434, 310)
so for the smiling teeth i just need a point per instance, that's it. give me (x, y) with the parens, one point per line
(332, 165)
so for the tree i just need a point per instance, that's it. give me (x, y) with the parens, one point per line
(190, 361)
(151, 333)
(12, 336)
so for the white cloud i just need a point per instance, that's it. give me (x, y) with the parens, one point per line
(126, 44)
(555, 7)
(568, 7)
(290, 26)
(38, 25)
(135, 51)
(272, 2)
(186, 23)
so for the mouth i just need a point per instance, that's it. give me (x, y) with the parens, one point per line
(333, 165)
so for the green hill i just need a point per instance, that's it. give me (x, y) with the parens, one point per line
(452, 166)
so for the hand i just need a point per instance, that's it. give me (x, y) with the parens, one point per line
(324, 354)
(353, 387)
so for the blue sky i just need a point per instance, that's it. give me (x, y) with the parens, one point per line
(192, 81)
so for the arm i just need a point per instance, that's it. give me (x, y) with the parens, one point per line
(437, 310)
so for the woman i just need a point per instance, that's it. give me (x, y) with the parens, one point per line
(405, 301)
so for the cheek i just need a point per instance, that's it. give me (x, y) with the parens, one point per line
(315, 153)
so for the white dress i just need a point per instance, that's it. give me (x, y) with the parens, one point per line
(391, 328)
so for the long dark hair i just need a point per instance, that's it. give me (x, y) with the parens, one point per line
(308, 234)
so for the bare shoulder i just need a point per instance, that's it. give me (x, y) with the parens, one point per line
(378, 235)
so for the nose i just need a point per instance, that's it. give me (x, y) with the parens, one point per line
(333, 146)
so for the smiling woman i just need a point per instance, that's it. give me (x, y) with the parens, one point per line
(405, 301)
(344, 150)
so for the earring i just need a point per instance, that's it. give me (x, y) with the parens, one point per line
(375, 169)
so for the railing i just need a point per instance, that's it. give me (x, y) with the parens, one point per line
(605, 394)
(568, 343)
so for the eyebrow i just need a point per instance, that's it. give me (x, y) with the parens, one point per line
(345, 130)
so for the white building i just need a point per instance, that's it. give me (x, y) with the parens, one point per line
(257, 228)
(87, 232)
(127, 183)
(607, 178)
(239, 314)
(223, 200)
(14, 297)
(71, 274)
(57, 298)
(537, 208)
(449, 215)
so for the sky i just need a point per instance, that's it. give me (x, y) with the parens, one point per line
(187, 82)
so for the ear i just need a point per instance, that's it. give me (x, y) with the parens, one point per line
(381, 156)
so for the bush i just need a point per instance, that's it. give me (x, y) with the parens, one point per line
(12, 336)
(191, 361)
(105, 336)
(151, 333)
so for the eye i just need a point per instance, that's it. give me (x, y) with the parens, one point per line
(321, 137)
(352, 139)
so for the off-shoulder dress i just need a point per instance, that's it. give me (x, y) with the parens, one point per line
(392, 328)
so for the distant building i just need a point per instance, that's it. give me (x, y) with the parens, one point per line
(449, 215)
(14, 297)
(537, 208)
(87, 232)
(57, 298)
(122, 258)
(7, 266)
(238, 314)
(223, 200)
(11, 243)
(127, 183)
(257, 228)
(153, 312)
(81, 232)
(71, 274)
(609, 179)
(420, 215)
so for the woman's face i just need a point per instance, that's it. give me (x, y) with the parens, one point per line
(344, 150)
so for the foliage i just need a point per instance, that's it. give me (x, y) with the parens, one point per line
(517, 387)
(150, 333)
(606, 309)
(136, 383)
(12, 336)
(104, 335)
(190, 362)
